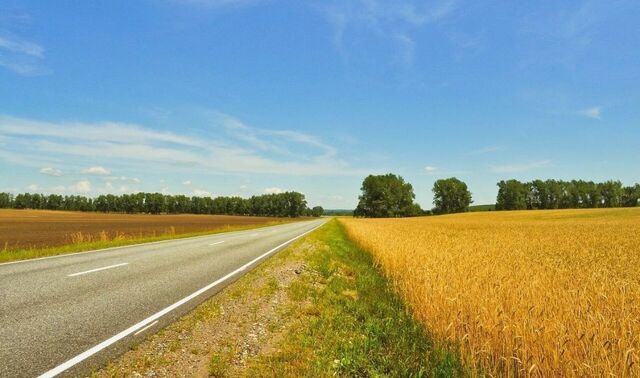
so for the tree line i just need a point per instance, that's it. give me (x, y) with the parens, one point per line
(390, 196)
(288, 204)
(559, 194)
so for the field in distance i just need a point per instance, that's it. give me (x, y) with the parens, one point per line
(541, 293)
(24, 229)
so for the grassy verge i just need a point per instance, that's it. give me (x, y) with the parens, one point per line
(7, 255)
(320, 308)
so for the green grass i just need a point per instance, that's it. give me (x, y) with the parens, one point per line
(7, 255)
(349, 322)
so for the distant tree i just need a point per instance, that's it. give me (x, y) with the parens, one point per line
(631, 196)
(54, 202)
(317, 211)
(611, 193)
(513, 195)
(386, 196)
(6, 200)
(451, 196)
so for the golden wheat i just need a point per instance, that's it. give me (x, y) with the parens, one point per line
(543, 293)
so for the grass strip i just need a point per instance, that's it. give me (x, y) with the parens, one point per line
(319, 308)
(349, 322)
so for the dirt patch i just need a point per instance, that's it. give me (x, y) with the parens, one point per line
(42, 228)
(223, 334)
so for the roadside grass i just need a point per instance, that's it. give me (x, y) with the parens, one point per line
(8, 254)
(318, 308)
(349, 322)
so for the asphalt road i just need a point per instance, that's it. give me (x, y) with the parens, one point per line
(70, 314)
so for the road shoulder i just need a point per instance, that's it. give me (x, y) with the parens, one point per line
(318, 308)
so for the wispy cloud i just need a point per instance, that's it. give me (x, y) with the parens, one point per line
(594, 112)
(394, 21)
(440, 172)
(520, 167)
(81, 187)
(102, 171)
(274, 190)
(49, 171)
(21, 47)
(201, 193)
(21, 56)
(277, 141)
(485, 150)
(238, 149)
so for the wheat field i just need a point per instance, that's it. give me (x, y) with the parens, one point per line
(537, 293)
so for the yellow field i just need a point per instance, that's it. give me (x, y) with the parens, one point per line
(540, 293)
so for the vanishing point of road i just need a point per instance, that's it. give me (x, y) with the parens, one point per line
(67, 315)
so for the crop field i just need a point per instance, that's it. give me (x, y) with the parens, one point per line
(41, 228)
(537, 293)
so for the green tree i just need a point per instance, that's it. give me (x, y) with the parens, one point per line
(611, 193)
(631, 196)
(386, 196)
(317, 211)
(512, 195)
(6, 200)
(451, 196)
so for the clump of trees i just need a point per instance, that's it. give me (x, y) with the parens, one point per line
(386, 196)
(451, 196)
(559, 194)
(288, 204)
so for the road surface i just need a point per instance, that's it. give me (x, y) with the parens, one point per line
(67, 315)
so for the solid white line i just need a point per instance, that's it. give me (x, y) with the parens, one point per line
(90, 352)
(216, 243)
(234, 233)
(145, 328)
(96, 270)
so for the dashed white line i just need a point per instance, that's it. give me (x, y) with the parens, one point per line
(145, 328)
(216, 243)
(97, 270)
(136, 327)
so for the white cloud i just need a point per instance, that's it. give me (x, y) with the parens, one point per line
(49, 171)
(522, 167)
(60, 189)
(133, 180)
(486, 150)
(594, 112)
(430, 169)
(33, 188)
(187, 183)
(242, 149)
(80, 187)
(274, 190)
(20, 56)
(96, 171)
(391, 20)
(201, 193)
(21, 47)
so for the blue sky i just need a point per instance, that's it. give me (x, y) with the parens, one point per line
(242, 97)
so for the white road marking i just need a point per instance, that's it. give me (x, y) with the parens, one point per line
(145, 328)
(97, 270)
(90, 352)
(216, 243)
